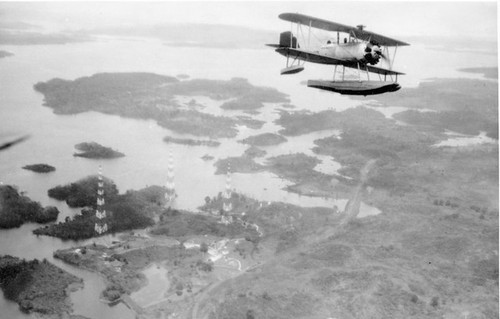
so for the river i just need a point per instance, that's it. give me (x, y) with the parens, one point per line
(53, 136)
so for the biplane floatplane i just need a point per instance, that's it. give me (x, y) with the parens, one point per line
(359, 49)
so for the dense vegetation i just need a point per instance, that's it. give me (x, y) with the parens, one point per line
(37, 286)
(83, 192)
(95, 150)
(152, 96)
(40, 168)
(265, 139)
(15, 209)
(131, 210)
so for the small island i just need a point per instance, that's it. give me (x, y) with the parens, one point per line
(37, 286)
(190, 142)
(265, 139)
(4, 54)
(207, 157)
(96, 151)
(40, 168)
(16, 209)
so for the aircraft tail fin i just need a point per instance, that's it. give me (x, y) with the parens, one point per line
(287, 39)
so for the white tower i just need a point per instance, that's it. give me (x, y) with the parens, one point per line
(227, 206)
(100, 226)
(170, 194)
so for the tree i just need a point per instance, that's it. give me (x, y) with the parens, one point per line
(435, 301)
(204, 247)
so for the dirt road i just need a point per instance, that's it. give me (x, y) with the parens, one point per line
(202, 307)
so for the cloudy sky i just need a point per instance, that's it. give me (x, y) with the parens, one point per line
(396, 19)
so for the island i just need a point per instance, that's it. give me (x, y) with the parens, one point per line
(40, 168)
(16, 209)
(190, 142)
(152, 96)
(207, 157)
(96, 151)
(265, 139)
(4, 54)
(132, 210)
(38, 286)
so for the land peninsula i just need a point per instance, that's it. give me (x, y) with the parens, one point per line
(196, 250)
(152, 96)
(16, 209)
(95, 150)
(40, 168)
(38, 286)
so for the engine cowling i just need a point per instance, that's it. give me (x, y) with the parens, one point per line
(373, 53)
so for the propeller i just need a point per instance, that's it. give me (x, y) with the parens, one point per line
(373, 53)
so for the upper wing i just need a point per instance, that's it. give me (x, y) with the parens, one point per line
(337, 27)
(315, 57)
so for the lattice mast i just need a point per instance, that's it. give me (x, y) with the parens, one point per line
(100, 226)
(170, 194)
(227, 206)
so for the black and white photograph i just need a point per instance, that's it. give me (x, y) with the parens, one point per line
(249, 160)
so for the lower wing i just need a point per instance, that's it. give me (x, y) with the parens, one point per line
(315, 57)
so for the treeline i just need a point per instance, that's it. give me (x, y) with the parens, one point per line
(15, 209)
(132, 210)
(15, 275)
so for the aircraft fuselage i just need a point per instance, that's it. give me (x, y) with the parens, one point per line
(353, 51)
